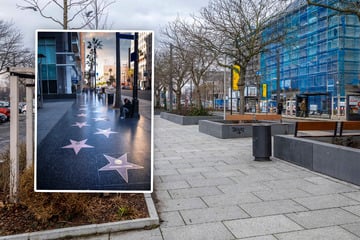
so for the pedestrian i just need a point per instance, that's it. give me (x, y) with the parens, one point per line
(127, 109)
(303, 108)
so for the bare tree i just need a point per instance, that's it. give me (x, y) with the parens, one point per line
(195, 56)
(71, 11)
(161, 75)
(97, 13)
(235, 31)
(343, 6)
(12, 52)
(181, 77)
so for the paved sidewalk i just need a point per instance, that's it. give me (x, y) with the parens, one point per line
(208, 188)
(91, 148)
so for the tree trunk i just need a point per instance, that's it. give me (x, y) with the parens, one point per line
(198, 98)
(65, 16)
(241, 85)
(178, 100)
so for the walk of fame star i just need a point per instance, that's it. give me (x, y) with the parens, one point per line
(78, 145)
(80, 124)
(121, 165)
(82, 115)
(105, 132)
(101, 119)
(83, 109)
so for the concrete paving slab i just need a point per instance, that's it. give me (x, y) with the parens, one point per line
(326, 201)
(213, 214)
(287, 183)
(153, 234)
(268, 237)
(180, 204)
(328, 233)
(210, 182)
(174, 178)
(323, 218)
(209, 231)
(171, 219)
(353, 195)
(194, 192)
(196, 170)
(324, 189)
(172, 185)
(353, 228)
(281, 194)
(222, 174)
(230, 199)
(253, 177)
(353, 209)
(271, 208)
(244, 187)
(166, 172)
(261, 226)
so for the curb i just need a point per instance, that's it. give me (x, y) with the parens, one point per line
(94, 229)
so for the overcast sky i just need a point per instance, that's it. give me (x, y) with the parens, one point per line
(123, 15)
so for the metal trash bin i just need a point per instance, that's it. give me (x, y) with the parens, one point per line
(110, 99)
(262, 142)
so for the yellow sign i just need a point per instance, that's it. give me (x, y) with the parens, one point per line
(235, 77)
(264, 90)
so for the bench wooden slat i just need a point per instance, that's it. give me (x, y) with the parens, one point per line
(349, 125)
(269, 117)
(315, 126)
(240, 117)
(249, 117)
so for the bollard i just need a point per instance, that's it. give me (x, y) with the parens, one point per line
(262, 142)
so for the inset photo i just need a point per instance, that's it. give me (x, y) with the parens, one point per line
(94, 116)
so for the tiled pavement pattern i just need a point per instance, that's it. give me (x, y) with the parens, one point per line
(208, 188)
(91, 148)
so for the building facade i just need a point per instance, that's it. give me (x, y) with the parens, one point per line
(319, 60)
(59, 62)
(145, 59)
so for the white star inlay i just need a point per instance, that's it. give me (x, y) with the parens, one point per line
(105, 132)
(82, 115)
(101, 119)
(78, 145)
(121, 165)
(80, 124)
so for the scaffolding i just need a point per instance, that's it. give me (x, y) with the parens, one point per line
(319, 58)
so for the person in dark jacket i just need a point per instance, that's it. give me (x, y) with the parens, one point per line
(127, 109)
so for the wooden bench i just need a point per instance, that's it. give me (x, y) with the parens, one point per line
(254, 117)
(316, 126)
(350, 125)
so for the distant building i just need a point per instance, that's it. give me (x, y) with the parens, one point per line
(60, 64)
(145, 59)
(319, 60)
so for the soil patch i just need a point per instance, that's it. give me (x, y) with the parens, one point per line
(17, 218)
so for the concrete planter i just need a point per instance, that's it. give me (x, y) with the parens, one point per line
(232, 129)
(186, 120)
(321, 156)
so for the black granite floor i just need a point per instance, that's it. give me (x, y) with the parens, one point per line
(91, 148)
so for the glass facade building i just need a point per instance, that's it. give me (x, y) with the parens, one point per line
(319, 59)
(60, 64)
